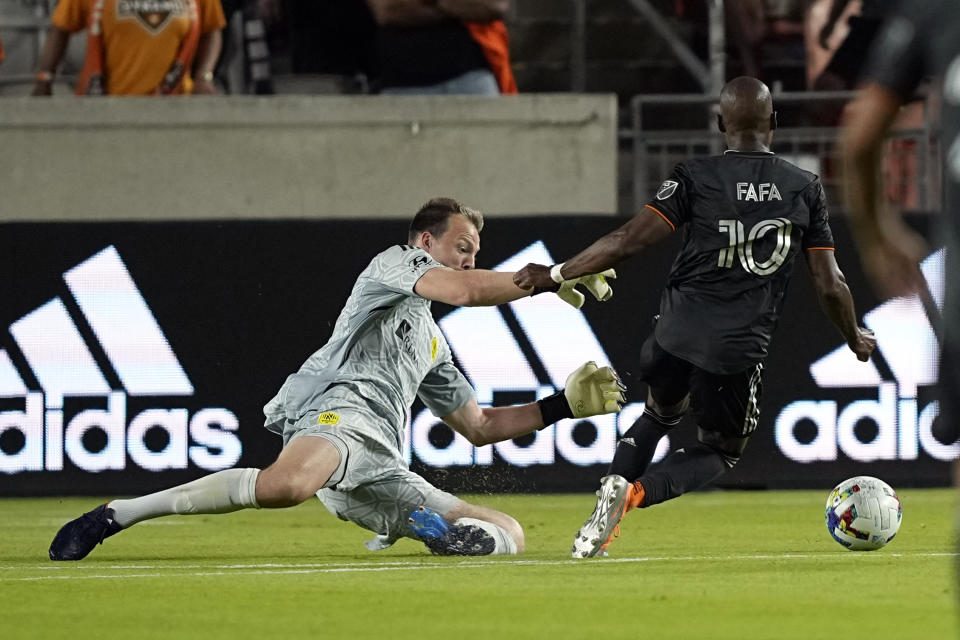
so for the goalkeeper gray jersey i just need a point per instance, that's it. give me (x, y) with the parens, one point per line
(385, 348)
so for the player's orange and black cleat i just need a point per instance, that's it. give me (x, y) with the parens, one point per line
(78, 537)
(614, 499)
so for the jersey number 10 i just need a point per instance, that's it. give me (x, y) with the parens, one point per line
(741, 245)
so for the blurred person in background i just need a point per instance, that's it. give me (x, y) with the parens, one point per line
(137, 47)
(825, 28)
(839, 35)
(443, 46)
(844, 30)
(920, 40)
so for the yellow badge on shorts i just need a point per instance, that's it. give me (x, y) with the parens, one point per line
(328, 417)
(434, 346)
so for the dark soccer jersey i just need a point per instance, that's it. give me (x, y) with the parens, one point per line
(744, 217)
(922, 40)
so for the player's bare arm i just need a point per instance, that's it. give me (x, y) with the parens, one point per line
(589, 391)
(837, 303)
(890, 251)
(470, 288)
(643, 230)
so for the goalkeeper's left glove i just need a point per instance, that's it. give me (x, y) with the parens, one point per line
(590, 391)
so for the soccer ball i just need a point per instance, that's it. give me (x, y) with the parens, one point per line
(863, 513)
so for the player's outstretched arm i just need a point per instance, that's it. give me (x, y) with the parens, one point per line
(590, 391)
(643, 230)
(836, 301)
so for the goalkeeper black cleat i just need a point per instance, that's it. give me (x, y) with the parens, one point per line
(78, 537)
(446, 539)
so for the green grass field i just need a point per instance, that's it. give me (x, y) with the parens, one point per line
(712, 565)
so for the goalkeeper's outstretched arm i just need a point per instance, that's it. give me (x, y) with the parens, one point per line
(470, 288)
(590, 391)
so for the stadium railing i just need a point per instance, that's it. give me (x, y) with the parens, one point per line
(668, 128)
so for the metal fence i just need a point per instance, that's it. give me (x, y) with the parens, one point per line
(664, 132)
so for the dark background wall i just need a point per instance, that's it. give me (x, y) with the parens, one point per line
(242, 304)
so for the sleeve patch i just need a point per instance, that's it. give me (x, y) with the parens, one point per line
(667, 189)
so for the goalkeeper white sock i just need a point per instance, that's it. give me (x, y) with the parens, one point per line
(504, 544)
(221, 492)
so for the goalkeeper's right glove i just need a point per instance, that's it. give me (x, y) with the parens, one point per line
(595, 283)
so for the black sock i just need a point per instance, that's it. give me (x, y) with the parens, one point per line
(682, 471)
(638, 444)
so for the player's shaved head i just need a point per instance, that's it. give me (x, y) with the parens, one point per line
(746, 106)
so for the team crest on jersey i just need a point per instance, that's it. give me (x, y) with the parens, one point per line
(666, 189)
(328, 418)
(151, 14)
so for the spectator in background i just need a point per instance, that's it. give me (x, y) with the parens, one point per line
(443, 46)
(137, 47)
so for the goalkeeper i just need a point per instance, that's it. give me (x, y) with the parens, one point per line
(342, 415)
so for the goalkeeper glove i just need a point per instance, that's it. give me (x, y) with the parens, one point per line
(590, 391)
(595, 283)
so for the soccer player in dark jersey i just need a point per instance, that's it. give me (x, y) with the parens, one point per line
(920, 40)
(744, 217)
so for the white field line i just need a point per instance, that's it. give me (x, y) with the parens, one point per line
(163, 571)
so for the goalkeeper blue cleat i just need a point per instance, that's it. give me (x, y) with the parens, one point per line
(446, 539)
(78, 537)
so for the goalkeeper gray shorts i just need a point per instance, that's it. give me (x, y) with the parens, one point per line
(372, 486)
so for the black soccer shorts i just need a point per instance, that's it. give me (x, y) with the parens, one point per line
(726, 404)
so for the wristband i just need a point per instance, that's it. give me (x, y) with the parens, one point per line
(206, 76)
(554, 408)
(555, 273)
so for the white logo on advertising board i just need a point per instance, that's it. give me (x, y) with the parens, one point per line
(64, 367)
(903, 427)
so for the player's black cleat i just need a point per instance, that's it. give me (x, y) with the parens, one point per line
(78, 537)
(446, 539)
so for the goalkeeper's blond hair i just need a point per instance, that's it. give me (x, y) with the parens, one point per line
(434, 217)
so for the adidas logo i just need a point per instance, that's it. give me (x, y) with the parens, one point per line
(525, 351)
(907, 347)
(131, 353)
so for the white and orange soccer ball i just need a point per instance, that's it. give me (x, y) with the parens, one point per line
(863, 513)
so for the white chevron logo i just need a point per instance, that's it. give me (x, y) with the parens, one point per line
(908, 345)
(141, 359)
